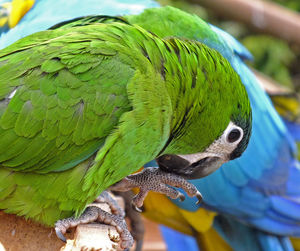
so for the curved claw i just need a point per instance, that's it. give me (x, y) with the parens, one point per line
(199, 197)
(136, 208)
(60, 235)
(181, 197)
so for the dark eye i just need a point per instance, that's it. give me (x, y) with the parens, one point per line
(234, 135)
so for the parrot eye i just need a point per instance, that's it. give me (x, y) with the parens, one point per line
(234, 135)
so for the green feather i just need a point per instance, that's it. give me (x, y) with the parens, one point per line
(52, 65)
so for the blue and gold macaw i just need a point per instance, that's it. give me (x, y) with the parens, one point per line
(257, 196)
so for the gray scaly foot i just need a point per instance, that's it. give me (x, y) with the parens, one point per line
(105, 197)
(96, 214)
(137, 228)
(154, 179)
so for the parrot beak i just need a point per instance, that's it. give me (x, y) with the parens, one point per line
(192, 166)
(198, 165)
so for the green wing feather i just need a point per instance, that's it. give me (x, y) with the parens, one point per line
(56, 103)
(65, 95)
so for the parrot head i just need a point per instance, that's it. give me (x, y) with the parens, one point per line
(230, 145)
(213, 124)
(222, 129)
(211, 121)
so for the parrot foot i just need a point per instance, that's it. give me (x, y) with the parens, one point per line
(154, 179)
(96, 214)
(137, 228)
(105, 197)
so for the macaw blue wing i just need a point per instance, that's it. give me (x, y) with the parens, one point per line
(46, 13)
(243, 237)
(262, 187)
(237, 235)
(177, 241)
(294, 128)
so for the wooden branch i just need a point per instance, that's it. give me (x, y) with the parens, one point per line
(263, 16)
(94, 237)
(18, 234)
(270, 85)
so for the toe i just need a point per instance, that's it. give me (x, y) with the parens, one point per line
(60, 235)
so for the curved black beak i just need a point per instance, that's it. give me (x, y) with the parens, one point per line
(183, 167)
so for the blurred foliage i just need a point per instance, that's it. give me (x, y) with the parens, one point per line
(291, 4)
(272, 56)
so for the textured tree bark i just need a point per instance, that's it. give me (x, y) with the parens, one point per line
(18, 234)
(260, 15)
(93, 237)
(270, 85)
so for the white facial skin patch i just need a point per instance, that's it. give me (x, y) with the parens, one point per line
(221, 148)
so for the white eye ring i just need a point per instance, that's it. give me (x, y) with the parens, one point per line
(233, 134)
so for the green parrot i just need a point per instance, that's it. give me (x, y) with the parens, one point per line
(81, 108)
